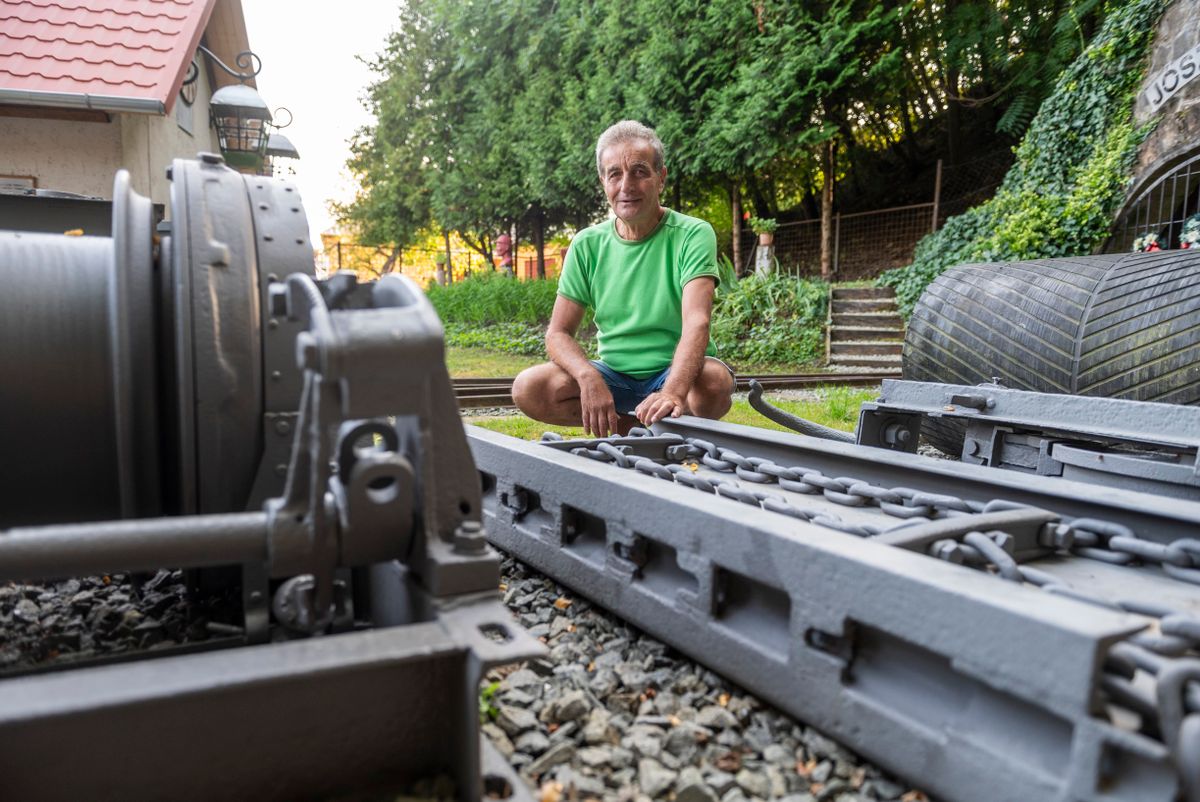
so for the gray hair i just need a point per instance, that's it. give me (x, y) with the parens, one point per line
(629, 131)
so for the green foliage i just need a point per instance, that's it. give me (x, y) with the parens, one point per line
(770, 319)
(488, 298)
(763, 225)
(1072, 165)
(487, 708)
(522, 339)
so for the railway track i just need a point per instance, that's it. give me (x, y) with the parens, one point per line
(497, 392)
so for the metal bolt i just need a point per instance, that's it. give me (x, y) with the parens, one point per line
(469, 538)
(272, 323)
(283, 427)
(281, 469)
(276, 375)
(256, 596)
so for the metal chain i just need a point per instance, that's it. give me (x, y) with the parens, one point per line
(1174, 708)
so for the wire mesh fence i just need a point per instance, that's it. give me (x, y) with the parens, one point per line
(423, 264)
(866, 244)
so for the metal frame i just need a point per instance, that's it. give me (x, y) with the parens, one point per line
(977, 688)
(1137, 445)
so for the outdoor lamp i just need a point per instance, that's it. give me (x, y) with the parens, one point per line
(241, 117)
(278, 147)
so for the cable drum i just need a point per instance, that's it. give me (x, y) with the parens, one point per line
(1117, 326)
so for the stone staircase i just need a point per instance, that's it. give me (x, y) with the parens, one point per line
(865, 329)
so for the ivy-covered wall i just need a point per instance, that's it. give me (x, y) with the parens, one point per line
(1072, 167)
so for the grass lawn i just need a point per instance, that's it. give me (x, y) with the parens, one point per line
(482, 363)
(836, 407)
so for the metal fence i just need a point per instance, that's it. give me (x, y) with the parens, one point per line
(866, 244)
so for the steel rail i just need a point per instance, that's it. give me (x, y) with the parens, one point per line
(497, 391)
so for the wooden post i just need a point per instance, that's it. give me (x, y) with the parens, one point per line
(837, 240)
(827, 169)
(937, 196)
(735, 207)
(339, 254)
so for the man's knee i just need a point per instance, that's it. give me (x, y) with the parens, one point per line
(713, 391)
(538, 390)
(529, 390)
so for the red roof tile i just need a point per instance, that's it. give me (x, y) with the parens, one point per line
(125, 49)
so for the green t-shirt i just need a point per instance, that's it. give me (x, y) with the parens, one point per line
(636, 287)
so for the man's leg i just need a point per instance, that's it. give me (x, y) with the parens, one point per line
(547, 393)
(712, 394)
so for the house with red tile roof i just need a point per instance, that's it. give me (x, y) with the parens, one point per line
(91, 86)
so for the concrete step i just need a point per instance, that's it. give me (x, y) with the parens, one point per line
(849, 293)
(882, 320)
(838, 333)
(858, 305)
(866, 348)
(853, 360)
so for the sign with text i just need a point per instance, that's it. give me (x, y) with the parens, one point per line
(1171, 79)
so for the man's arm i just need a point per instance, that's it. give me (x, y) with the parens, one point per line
(597, 409)
(689, 354)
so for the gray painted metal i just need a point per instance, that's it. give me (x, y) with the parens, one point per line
(975, 686)
(977, 689)
(1152, 518)
(1142, 446)
(284, 721)
(82, 100)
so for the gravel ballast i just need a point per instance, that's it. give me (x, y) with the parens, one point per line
(614, 714)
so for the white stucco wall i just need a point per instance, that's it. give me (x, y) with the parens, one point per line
(68, 156)
(83, 157)
(150, 143)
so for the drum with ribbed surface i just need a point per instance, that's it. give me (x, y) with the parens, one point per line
(1118, 326)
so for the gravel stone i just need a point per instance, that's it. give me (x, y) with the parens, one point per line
(776, 753)
(653, 777)
(753, 783)
(625, 718)
(571, 706)
(499, 739)
(595, 756)
(532, 742)
(715, 717)
(515, 720)
(559, 753)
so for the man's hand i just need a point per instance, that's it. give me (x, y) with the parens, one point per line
(596, 405)
(657, 406)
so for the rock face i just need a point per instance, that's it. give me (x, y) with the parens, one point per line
(1178, 133)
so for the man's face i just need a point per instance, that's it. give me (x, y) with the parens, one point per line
(631, 183)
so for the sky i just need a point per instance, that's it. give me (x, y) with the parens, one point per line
(310, 66)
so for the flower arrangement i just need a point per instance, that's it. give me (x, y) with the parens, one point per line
(1191, 232)
(1147, 243)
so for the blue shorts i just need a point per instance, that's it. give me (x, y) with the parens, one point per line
(628, 392)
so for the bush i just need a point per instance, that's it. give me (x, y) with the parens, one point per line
(487, 298)
(770, 319)
(1071, 170)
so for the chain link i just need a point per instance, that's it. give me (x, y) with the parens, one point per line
(1173, 708)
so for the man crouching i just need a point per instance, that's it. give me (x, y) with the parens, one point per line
(649, 275)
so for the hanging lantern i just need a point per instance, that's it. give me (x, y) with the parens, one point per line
(241, 117)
